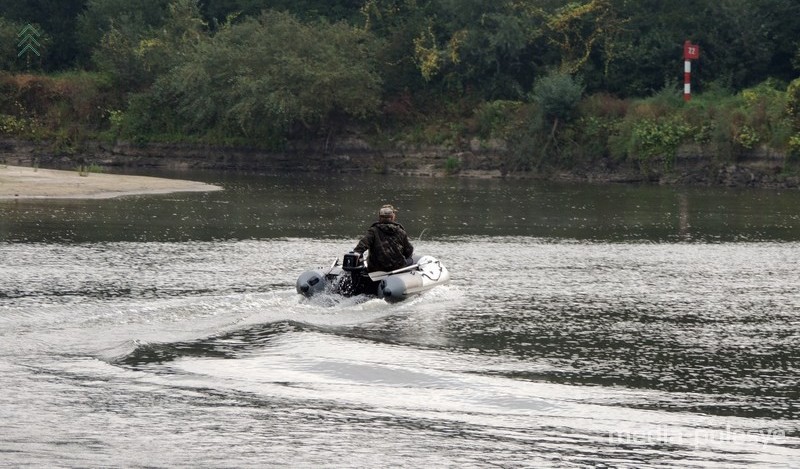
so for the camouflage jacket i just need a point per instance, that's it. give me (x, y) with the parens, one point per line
(388, 246)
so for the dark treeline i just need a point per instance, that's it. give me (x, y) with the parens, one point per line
(624, 47)
(557, 81)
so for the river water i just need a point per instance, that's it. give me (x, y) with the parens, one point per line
(584, 326)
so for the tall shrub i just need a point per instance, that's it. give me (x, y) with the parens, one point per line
(793, 112)
(263, 77)
(558, 95)
(555, 97)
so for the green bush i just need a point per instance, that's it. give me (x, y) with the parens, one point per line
(652, 139)
(264, 78)
(592, 135)
(494, 118)
(452, 165)
(38, 106)
(794, 145)
(558, 95)
(13, 126)
(793, 103)
(603, 105)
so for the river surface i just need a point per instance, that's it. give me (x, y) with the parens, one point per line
(584, 326)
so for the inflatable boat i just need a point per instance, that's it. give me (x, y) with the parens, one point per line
(352, 277)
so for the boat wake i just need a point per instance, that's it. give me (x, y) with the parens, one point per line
(224, 326)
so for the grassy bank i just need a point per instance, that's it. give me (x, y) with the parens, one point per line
(557, 129)
(548, 134)
(64, 109)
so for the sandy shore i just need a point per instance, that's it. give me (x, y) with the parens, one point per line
(26, 183)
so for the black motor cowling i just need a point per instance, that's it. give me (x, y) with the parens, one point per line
(352, 262)
(356, 281)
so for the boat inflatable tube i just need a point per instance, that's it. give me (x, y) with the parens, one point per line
(428, 274)
(311, 282)
(351, 278)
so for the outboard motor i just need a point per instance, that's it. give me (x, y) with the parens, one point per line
(355, 281)
(352, 262)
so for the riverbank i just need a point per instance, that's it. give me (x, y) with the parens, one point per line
(691, 165)
(35, 183)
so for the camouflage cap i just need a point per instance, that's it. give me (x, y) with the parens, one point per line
(386, 211)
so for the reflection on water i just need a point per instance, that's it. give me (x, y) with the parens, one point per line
(300, 205)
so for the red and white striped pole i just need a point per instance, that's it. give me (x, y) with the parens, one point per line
(687, 80)
(690, 52)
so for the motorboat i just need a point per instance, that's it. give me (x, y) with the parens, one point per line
(352, 277)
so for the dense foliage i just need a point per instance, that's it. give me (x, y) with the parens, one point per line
(563, 83)
(262, 78)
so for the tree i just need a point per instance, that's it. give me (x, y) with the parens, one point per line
(263, 77)
(751, 40)
(578, 28)
(486, 46)
(56, 19)
(9, 47)
(501, 47)
(557, 95)
(217, 11)
(743, 42)
(397, 23)
(133, 18)
(135, 52)
(647, 50)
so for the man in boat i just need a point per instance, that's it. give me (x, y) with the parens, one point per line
(387, 242)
